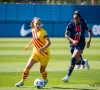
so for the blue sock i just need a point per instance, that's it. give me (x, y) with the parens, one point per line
(82, 61)
(71, 67)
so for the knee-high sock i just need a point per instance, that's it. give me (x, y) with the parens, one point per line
(81, 59)
(44, 75)
(81, 62)
(25, 74)
(71, 67)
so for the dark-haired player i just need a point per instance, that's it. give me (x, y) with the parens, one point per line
(77, 29)
(80, 65)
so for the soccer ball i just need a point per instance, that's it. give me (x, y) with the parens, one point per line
(38, 83)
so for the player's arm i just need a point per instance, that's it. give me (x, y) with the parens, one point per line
(70, 39)
(68, 28)
(48, 43)
(89, 34)
(31, 42)
(67, 36)
(89, 37)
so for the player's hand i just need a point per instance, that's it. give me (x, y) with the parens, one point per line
(41, 49)
(88, 44)
(75, 42)
(26, 48)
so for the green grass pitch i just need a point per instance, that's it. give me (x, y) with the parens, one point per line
(13, 59)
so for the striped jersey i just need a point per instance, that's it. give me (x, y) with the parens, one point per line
(39, 41)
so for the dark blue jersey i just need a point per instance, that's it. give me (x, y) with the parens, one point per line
(72, 29)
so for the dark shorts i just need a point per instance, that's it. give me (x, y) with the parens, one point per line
(78, 47)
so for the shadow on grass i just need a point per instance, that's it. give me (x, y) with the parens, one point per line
(26, 87)
(56, 87)
(34, 88)
(70, 88)
(96, 82)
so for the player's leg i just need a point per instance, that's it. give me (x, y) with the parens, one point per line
(77, 66)
(26, 72)
(29, 65)
(33, 59)
(44, 61)
(44, 74)
(82, 62)
(72, 50)
(74, 59)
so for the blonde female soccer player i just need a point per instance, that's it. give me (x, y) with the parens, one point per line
(40, 53)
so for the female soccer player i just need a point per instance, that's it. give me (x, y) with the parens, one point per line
(81, 64)
(40, 53)
(77, 28)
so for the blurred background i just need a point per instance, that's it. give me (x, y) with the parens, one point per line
(16, 16)
(54, 1)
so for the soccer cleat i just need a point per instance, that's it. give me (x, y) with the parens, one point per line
(77, 66)
(82, 67)
(65, 79)
(45, 82)
(86, 64)
(19, 84)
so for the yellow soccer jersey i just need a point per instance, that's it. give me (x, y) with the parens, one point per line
(39, 41)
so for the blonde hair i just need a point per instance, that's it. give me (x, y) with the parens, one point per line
(35, 18)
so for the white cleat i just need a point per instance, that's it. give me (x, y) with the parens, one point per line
(65, 79)
(82, 67)
(45, 82)
(77, 66)
(19, 84)
(86, 64)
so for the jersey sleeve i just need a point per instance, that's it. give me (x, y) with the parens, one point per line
(69, 26)
(45, 34)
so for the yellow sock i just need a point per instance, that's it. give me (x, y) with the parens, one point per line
(25, 74)
(44, 75)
